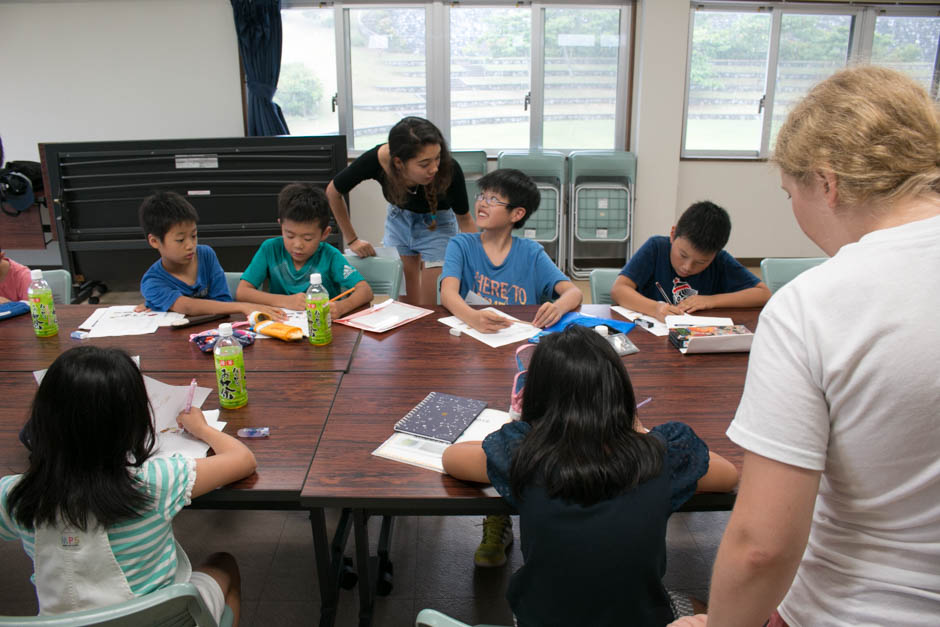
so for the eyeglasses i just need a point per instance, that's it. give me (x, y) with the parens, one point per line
(491, 200)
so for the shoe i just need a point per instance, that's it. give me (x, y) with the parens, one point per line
(497, 537)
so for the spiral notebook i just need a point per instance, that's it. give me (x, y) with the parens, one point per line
(441, 417)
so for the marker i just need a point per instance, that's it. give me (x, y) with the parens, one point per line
(663, 292)
(192, 392)
(644, 402)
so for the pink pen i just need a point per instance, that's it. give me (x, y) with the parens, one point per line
(644, 402)
(192, 392)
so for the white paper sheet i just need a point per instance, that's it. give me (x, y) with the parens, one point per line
(384, 316)
(297, 319)
(410, 449)
(696, 321)
(658, 328)
(123, 320)
(516, 332)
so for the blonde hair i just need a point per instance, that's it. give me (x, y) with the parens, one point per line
(874, 128)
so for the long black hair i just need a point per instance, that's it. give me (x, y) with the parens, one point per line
(405, 141)
(89, 425)
(579, 402)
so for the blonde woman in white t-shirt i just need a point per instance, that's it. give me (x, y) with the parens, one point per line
(837, 520)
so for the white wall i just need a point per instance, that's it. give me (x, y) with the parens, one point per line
(112, 70)
(762, 222)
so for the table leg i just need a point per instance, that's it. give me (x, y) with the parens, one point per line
(364, 566)
(326, 573)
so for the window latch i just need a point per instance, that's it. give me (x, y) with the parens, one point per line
(760, 105)
(527, 101)
(333, 102)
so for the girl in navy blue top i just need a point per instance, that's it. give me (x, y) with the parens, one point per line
(593, 488)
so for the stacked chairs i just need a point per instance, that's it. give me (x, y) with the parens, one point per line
(547, 225)
(600, 210)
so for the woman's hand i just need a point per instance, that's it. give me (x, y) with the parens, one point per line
(361, 247)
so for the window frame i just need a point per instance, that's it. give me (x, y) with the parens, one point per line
(861, 38)
(437, 62)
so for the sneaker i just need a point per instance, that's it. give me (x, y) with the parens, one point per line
(497, 537)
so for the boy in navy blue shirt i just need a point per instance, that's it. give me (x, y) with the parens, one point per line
(690, 267)
(187, 278)
(501, 268)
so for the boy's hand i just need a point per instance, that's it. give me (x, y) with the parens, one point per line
(276, 313)
(3, 299)
(665, 309)
(547, 315)
(141, 308)
(297, 302)
(696, 303)
(362, 248)
(488, 321)
(194, 421)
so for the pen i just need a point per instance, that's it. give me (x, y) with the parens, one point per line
(192, 392)
(663, 292)
(338, 296)
(644, 402)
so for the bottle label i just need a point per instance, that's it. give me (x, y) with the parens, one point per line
(42, 309)
(230, 372)
(319, 322)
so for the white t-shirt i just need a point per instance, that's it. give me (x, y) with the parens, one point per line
(844, 377)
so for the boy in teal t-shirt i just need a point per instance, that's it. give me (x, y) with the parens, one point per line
(288, 261)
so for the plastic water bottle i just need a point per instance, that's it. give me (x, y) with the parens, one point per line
(41, 306)
(319, 322)
(230, 369)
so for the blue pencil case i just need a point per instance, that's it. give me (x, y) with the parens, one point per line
(621, 326)
(13, 309)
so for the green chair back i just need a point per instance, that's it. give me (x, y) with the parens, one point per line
(602, 280)
(383, 274)
(232, 278)
(60, 281)
(473, 164)
(778, 271)
(178, 604)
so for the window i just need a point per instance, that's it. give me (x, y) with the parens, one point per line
(748, 66)
(492, 74)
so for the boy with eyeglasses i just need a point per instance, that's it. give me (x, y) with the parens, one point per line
(504, 270)
(500, 268)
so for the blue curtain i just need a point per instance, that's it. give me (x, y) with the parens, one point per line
(258, 26)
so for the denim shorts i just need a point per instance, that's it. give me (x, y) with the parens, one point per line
(408, 232)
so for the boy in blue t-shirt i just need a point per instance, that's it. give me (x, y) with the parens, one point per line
(501, 268)
(690, 267)
(288, 261)
(187, 278)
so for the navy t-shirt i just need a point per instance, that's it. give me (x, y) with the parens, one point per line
(651, 264)
(600, 564)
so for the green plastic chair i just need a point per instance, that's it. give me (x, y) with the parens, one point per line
(473, 164)
(433, 618)
(383, 274)
(602, 280)
(60, 281)
(232, 278)
(779, 271)
(178, 604)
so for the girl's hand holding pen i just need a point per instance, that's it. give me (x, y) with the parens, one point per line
(194, 421)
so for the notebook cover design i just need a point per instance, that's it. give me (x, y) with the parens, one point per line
(441, 417)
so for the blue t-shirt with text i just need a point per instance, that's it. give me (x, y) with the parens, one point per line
(526, 277)
(651, 264)
(160, 289)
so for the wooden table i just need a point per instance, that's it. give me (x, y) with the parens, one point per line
(392, 372)
(169, 350)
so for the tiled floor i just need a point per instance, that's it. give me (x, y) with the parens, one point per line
(432, 557)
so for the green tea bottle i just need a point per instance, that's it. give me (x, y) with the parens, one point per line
(319, 322)
(41, 306)
(230, 369)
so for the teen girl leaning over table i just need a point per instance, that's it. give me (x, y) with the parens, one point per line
(427, 198)
(593, 488)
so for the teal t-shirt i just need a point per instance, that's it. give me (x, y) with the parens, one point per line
(274, 263)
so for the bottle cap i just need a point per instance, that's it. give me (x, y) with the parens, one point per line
(601, 329)
(35, 275)
(225, 329)
(315, 279)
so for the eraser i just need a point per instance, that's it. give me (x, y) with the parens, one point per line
(455, 331)
(601, 329)
(78, 335)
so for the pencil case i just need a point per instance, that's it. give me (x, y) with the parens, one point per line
(207, 339)
(263, 324)
(13, 308)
